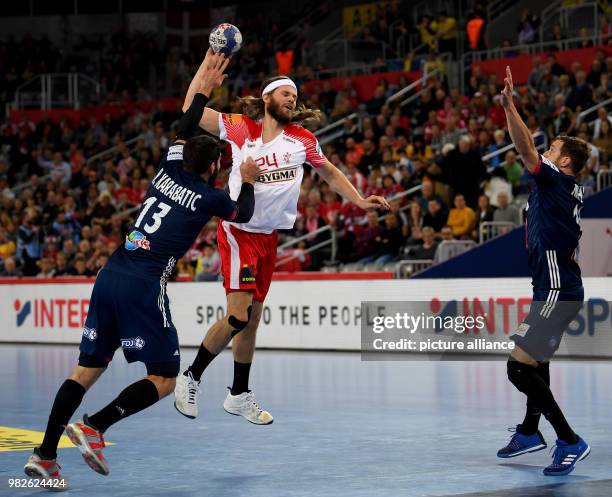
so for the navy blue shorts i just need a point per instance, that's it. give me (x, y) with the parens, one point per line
(134, 314)
(550, 314)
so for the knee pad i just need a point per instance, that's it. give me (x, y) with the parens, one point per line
(237, 324)
(518, 374)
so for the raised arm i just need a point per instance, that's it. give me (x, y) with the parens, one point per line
(205, 85)
(519, 133)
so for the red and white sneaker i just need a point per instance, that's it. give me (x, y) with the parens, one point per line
(47, 470)
(90, 442)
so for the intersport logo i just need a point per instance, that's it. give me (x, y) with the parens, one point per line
(51, 313)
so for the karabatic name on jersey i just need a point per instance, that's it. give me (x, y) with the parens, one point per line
(553, 228)
(177, 206)
(281, 162)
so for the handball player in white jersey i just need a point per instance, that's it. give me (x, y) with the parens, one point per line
(267, 133)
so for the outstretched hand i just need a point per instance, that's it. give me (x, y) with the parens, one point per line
(508, 90)
(373, 202)
(214, 67)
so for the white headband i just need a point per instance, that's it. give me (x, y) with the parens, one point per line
(275, 84)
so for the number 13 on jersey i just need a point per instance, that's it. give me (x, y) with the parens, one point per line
(162, 210)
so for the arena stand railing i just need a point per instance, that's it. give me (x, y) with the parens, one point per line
(493, 229)
(605, 103)
(604, 180)
(55, 90)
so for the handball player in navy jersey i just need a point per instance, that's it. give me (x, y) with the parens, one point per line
(129, 307)
(552, 235)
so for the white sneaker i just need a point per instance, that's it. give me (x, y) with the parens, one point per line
(46, 471)
(185, 395)
(246, 406)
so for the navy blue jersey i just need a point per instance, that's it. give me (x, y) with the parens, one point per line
(177, 205)
(553, 228)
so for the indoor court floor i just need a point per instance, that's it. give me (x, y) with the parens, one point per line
(342, 428)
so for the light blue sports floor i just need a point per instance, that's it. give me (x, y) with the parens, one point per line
(342, 427)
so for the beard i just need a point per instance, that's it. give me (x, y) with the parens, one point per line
(278, 112)
(212, 178)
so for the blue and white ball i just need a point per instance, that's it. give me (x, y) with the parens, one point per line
(225, 38)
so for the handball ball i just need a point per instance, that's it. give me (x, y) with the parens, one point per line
(225, 38)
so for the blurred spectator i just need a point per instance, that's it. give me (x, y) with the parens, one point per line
(527, 28)
(389, 241)
(496, 184)
(602, 115)
(475, 29)
(447, 33)
(415, 217)
(603, 142)
(549, 82)
(585, 39)
(103, 210)
(366, 238)
(513, 169)
(535, 76)
(208, 265)
(499, 138)
(581, 96)
(557, 36)
(461, 218)
(9, 269)
(435, 217)
(505, 212)
(592, 165)
(562, 120)
(428, 249)
(80, 268)
(61, 265)
(446, 234)
(29, 240)
(427, 29)
(464, 170)
(46, 268)
(484, 212)
(428, 194)
(7, 246)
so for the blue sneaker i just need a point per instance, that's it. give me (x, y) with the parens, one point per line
(522, 444)
(566, 456)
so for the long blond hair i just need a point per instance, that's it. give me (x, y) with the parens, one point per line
(254, 107)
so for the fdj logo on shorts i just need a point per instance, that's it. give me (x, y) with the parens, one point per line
(136, 240)
(90, 333)
(132, 343)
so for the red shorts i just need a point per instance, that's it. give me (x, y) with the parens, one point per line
(247, 260)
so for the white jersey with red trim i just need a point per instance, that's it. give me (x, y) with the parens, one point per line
(281, 160)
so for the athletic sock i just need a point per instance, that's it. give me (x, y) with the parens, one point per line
(529, 381)
(135, 398)
(200, 363)
(67, 401)
(241, 378)
(529, 426)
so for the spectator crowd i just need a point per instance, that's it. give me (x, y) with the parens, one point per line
(443, 161)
